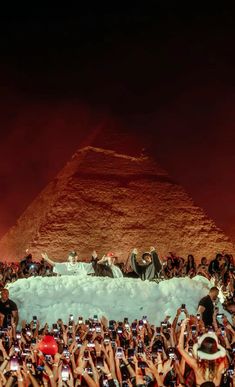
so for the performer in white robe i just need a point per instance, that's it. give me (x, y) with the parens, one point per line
(71, 267)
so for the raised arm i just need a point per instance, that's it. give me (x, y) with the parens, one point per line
(45, 256)
(134, 264)
(189, 360)
(155, 260)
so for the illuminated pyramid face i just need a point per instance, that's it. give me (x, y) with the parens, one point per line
(107, 201)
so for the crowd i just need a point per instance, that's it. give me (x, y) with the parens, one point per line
(185, 350)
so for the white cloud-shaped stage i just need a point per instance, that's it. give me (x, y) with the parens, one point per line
(51, 298)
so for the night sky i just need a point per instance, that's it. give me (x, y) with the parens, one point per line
(129, 79)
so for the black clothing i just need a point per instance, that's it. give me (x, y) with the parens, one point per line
(147, 272)
(207, 315)
(214, 267)
(6, 308)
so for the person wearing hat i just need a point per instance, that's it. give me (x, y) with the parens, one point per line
(150, 265)
(108, 261)
(208, 360)
(71, 267)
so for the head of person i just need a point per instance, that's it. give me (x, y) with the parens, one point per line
(208, 349)
(218, 257)
(146, 258)
(4, 295)
(204, 261)
(214, 292)
(169, 263)
(29, 258)
(72, 257)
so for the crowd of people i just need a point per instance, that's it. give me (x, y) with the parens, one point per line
(184, 350)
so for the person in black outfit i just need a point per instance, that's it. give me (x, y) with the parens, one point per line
(214, 266)
(8, 309)
(206, 306)
(150, 266)
(26, 263)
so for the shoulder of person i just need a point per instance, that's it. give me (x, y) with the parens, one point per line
(12, 303)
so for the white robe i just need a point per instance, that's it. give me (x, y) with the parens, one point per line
(78, 268)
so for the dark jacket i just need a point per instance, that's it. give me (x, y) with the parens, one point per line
(147, 272)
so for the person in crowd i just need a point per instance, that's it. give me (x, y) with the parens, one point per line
(169, 269)
(190, 266)
(206, 306)
(149, 267)
(202, 268)
(106, 266)
(26, 263)
(8, 310)
(71, 267)
(209, 358)
(214, 266)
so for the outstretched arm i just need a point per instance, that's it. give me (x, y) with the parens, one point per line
(45, 256)
(134, 264)
(155, 260)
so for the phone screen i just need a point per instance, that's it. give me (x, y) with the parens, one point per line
(65, 373)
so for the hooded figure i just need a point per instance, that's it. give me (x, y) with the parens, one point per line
(150, 266)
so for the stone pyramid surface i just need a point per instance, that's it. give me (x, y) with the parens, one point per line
(112, 202)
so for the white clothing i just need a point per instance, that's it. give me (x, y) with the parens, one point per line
(117, 273)
(78, 268)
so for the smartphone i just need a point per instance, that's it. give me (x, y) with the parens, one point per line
(220, 317)
(80, 320)
(55, 328)
(198, 316)
(48, 358)
(29, 363)
(158, 331)
(222, 331)
(145, 320)
(130, 353)
(98, 327)
(28, 332)
(230, 370)
(33, 341)
(142, 364)
(66, 352)
(194, 328)
(133, 326)
(95, 317)
(119, 352)
(90, 344)
(106, 339)
(164, 324)
(18, 335)
(65, 372)
(171, 352)
(88, 370)
(86, 355)
(183, 306)
(14, 363)
(35, 319)
(71, 318)
(16, 348)
(99, 362)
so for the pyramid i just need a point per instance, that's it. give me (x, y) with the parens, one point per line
(108, 201)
